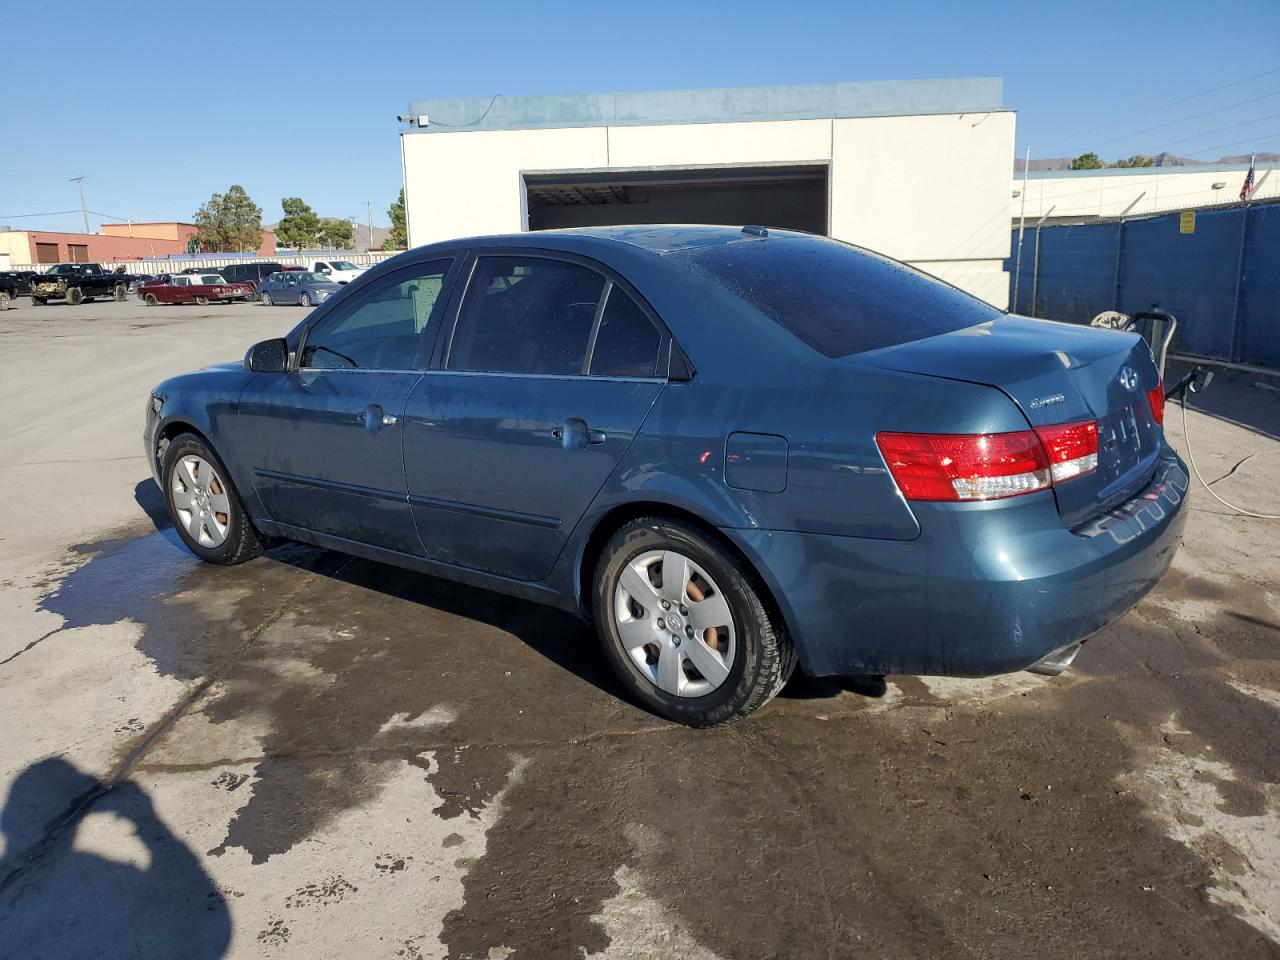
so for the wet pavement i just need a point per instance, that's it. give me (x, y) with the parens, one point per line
(312, 755)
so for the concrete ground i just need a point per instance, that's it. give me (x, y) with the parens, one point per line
(315, 756)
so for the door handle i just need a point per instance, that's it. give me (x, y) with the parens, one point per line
(373, 419)
(575, 434)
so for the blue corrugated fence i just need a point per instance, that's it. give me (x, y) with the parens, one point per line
(1222, 280)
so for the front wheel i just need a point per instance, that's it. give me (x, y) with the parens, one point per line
(204, 507)
(685, 625)
(266, 299)
(150, 299)
(75, 296)
(304, 299)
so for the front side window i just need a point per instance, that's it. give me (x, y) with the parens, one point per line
(627, 342)
(526, 315)
(382, 328)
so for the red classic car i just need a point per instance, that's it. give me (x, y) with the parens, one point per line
(201, 288)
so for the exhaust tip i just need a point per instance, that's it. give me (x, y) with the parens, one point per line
(1054, 663)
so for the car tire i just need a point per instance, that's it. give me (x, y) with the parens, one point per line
(754, 657)
(119, 293)
(266, 299)
(4, 299)
(38, 302)
(74, 296)
(215, 526)
(304, 299)
(202, 301)
(150, 299)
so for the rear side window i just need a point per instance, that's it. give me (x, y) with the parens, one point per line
(836, 298)
(627, 342)
(526, 315)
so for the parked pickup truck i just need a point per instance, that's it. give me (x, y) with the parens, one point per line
(193, 288)
(77, 283)
(8, 290)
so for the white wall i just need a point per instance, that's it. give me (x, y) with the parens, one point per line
(1110, 193)
(931, 190)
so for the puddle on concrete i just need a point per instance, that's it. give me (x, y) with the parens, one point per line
(945, 823)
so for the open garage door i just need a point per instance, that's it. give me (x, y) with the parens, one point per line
(792, 197)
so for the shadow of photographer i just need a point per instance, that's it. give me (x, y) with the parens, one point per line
(59, 898)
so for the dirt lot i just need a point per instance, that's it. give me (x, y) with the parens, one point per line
(315, 756)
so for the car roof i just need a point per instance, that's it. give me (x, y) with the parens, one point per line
(661, 238)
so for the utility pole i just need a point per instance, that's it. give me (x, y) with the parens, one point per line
(1022, 223)
(368, 207)
(79, 181)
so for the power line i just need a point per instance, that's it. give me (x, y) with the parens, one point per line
(1175, 103)
(1197, 116)
(21, 216)
(1242, 123)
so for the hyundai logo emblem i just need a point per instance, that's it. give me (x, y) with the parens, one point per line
(1129, 378)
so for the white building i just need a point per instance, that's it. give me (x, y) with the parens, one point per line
(1074, 195)
(918, 170)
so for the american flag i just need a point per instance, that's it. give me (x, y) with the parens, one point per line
(1248, 181)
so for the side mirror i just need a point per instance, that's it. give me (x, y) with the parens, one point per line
(269, 356)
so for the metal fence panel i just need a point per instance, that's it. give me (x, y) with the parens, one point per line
(1258, 340)
(1220, 279)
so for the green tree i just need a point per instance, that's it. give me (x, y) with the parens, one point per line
(1137, 160)
(299, 227)
(1086, 161)
(336, 233)
(398, 237)
(229, 221)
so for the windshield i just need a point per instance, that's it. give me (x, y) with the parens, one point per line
(837, 298)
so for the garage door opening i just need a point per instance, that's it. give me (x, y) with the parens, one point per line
(792, 197)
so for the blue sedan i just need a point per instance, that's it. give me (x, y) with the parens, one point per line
(297, 287)
(733, 450)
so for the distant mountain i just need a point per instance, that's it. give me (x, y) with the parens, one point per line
(1162, 160)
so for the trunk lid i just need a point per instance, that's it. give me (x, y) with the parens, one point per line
(1057, 373)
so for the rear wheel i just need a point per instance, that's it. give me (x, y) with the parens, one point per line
(202, 301)
(37, 301)
(119, 293)
(4, 299)
(684, 624)
(204, 507)
(266, 299)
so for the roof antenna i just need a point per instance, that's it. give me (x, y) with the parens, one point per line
(755, 230)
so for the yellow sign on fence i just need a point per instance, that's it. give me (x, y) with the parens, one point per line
(1187, 222)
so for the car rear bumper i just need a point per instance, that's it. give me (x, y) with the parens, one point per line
(987, 588)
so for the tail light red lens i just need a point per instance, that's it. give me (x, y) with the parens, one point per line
(1072, 448)
(988, 466)
(1155, 397)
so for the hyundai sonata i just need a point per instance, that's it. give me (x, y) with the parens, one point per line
(733, 450)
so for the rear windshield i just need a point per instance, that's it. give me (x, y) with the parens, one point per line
(837, 298)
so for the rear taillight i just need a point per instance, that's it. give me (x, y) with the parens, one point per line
(1072, 448)
(988, 466)
(1155, 397)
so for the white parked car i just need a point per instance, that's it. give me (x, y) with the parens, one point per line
(337, 271)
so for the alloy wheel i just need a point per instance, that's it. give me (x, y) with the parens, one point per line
(675, 623)
(200, 501)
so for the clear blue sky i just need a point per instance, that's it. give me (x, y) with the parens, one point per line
(158, 107)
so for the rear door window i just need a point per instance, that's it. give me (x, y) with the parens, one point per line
(526, 315)
(837, 298)
(627, 342)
